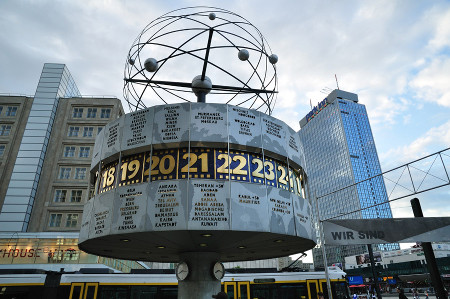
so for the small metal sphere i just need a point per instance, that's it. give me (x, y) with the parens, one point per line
(131, 61)
(212, 16)
(199, 86)
(273, 58)
(151, 65)
(243, 55)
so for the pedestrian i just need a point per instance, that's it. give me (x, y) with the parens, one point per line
(320, 295)
(401, 293)
(426, 294)
(50, 256)
(355, 296)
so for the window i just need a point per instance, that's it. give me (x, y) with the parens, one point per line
(106, 113)
(60, 195)
(69, 151)
(5, 130)
(92, 113)
(1, 109)
(72, 220)
(77, 113)
(80, 173)
(76, 195)
(88, 132)
(99, 129)
(2, 150)
(73, 131)
(11, 111)
(55, 220)
(64, 173)
(84, 152)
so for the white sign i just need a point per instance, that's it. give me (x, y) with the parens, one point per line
(386, 230)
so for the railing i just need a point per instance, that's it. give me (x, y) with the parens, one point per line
(422, 175)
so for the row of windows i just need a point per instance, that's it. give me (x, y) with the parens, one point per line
(91, 113)
(80, 152)
(5, 130)
(10, 111)
(63, 195)
(65, 173)
(88, 132)
(55, 220)
(2, 149)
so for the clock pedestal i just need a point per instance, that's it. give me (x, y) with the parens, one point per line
(200, 284)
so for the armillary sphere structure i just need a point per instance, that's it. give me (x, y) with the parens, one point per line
(190, 52)
(181, 179)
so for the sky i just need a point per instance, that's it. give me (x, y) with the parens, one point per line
(394, 54)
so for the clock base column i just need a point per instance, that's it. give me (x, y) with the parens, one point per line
(200, 283)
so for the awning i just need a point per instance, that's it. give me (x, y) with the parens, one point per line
(358, 286)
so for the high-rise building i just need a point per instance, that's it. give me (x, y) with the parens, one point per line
(340, 151)
(46, 146)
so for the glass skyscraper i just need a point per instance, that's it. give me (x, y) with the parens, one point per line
(340, 152)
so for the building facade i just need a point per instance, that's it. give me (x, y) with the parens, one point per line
(46, 146)
(34, 124)
(340, 151)
(405, 267)
(384, 258)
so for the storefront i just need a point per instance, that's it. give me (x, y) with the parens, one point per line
(53, 251)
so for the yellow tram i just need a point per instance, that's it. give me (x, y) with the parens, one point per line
(280, 285)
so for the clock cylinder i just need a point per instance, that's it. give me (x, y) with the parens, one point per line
(197, 177)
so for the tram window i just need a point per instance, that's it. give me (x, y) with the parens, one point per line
(76, 292)
(339, 290)
(21, 292)
(141, 292)
(325, 289)
(168, 292)
(243, 291)
(292, 291)
(230, 291)
(112, 292)
(312, 289)
(63, 291)
(262, 291)
(90, 292)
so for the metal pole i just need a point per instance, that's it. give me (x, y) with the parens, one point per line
(201, 97)
(324, 254)
(374, 274)
(429, 256)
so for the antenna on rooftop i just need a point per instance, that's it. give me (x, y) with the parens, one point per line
(337, 84)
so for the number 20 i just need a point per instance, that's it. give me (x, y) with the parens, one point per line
(162, 165)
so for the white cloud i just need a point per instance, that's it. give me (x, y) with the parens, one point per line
(432, 84)
(433, 140)
(441, 36)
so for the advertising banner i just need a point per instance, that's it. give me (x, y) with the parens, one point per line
(386, 230)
